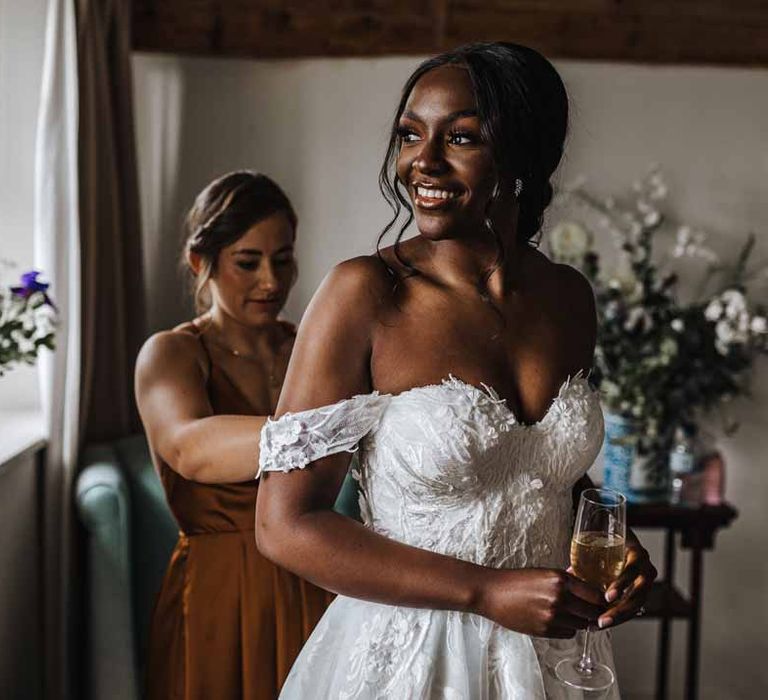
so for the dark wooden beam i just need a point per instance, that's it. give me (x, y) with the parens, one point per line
(649, 31)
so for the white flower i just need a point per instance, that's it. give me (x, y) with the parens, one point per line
(732, 296)
(724, 331)
(638, 316)
(624, 278)
(677, 325)
(691, 243)
(287, 432)
(758, 325)
(684, 236)
(611, 310)
(651, 217)
(658, 188)
(713, 311)
(569, 240)
(734, 301)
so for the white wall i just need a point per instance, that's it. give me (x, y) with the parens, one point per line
(319, 127)
(22, 30)
(21, 59)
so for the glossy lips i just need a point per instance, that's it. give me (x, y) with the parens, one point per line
(429, 195)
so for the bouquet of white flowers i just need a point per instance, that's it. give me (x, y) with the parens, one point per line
(660, 362)
(27, 321)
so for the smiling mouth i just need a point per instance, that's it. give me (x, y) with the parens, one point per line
(433, 197)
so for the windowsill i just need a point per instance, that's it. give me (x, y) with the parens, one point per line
(20, 432)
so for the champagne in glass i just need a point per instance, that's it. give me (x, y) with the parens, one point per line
(597, 557)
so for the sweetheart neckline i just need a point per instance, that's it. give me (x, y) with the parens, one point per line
(490, 394)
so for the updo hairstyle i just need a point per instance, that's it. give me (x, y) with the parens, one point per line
(522, 106)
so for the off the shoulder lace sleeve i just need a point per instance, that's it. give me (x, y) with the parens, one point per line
(296, 439)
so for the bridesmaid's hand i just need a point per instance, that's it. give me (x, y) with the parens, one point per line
(628, 593)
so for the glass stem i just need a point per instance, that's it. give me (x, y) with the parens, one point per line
(586, 665)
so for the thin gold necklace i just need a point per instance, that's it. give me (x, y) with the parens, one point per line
(273, 380)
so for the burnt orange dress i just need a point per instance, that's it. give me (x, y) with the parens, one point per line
(228, 623)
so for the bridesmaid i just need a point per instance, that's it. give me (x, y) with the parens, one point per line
(228, 623)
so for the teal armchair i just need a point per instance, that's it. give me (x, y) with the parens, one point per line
(130, 534)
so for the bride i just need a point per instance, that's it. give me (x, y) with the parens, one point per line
(457, 361)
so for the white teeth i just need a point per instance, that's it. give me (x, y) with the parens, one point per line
(434, 193)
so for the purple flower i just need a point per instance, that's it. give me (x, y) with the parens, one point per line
(29, 285)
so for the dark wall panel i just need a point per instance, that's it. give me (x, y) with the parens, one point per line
(21, 648)
(651, 31)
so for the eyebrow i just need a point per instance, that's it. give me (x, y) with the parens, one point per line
(472, 112)
(256, 251)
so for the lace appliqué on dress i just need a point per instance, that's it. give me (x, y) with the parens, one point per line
(296, 439)
(448, 468)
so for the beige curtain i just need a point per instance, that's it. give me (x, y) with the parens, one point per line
(113, 312)
(87, 239)
(57, 251)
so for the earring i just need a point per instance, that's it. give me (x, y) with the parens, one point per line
(518, 187)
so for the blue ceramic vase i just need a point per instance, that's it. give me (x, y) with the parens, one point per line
(639, 477)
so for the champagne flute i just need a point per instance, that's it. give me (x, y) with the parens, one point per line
(597, 557)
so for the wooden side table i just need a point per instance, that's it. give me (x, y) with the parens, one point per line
(697, 525)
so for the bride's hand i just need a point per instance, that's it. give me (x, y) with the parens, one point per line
(629, 592)
(540, 602)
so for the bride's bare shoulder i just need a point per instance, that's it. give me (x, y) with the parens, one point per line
(561, 280)
(573, 285)
(360, 284)
(573, 304)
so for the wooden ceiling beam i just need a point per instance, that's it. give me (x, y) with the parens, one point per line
(649, 31)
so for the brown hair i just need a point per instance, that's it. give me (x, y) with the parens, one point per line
(222, 213)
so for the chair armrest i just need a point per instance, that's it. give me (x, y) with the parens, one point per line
(103, 507)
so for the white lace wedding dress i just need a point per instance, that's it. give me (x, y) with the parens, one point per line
(445, 467)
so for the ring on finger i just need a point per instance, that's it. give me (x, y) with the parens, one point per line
(641, 611)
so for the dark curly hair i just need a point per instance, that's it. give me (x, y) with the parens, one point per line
(222, 213)
(522, 106)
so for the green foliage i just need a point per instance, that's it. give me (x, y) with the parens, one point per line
(658, 360)
(26, 325)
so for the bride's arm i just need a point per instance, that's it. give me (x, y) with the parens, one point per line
(295, 524)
